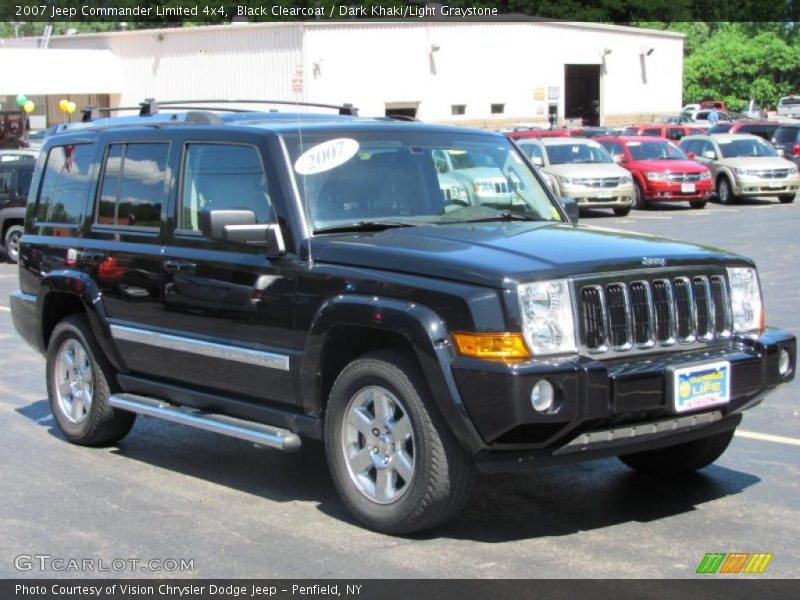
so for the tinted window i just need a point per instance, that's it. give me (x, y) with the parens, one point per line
(24, 182)
(675, 133)
(5, 182)
(133, 187)
(791, 101)
(223, 176)
(787, 135)
(652, 131)
(65, 184)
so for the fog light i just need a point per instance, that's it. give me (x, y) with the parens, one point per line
(542, 396)
(784, 363)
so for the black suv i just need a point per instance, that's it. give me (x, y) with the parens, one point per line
(15, 181)
(280, 277)
(787, 139)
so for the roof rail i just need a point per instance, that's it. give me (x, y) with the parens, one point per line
(344, 109)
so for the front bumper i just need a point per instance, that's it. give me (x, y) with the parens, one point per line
(608, 407)
(593, 197)
(756, 186)
(669, 191)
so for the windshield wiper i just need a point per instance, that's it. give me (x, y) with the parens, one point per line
(505, 215)
(364, 226)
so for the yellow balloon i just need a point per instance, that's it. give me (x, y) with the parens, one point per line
(71, 107)
(63, 105)
(28, 106)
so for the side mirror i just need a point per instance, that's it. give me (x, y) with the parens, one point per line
(781, 151)
(571, 208)
(709, 154)
(690, 155)
(238, 226)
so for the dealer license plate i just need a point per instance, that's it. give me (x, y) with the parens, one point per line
(687, 188)
(700, 386)
(775, 184)
(604, 194)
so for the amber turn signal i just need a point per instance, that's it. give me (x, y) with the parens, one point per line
(502, 346)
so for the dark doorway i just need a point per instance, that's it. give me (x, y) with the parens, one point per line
(402, 111)
(582, 93)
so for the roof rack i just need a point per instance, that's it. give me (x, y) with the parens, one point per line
(151, 106)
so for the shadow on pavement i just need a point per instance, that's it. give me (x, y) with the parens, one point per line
(552, 501)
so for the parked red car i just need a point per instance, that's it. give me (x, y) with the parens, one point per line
(661, 171)
(717, 104)
(538, 133)
(670, 131)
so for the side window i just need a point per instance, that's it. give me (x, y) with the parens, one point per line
(133, 187)
(65, 184)
(675, 133)
(707, 150)
(534, 153)
(222, 176)
(5, 182)
(23, 183)
(689, 146)
(654, 131)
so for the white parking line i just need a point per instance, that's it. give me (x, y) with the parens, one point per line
(651, 217)
(5, 309)
(766, 437)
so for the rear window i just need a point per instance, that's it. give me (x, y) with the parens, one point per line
(786, 135)
(133, 189)
(790, 101)
(65, 184)
(720, 128)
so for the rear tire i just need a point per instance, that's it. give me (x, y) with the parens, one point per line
(79, 383)
(11, 241)
(639, 201)
(413, 475)
(698, 204)
(786, 198)
(623, 211)
(681, 458)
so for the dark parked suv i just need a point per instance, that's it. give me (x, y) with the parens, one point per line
(787, 140)
(15, 181)
(287, 277)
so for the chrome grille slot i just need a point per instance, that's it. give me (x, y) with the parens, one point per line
(641, 313)
(663, 309)
(719, 304)
(618, 315)
(638, 313)
(593, 318)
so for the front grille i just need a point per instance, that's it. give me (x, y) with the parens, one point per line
(501, 187)
(603, 182)
(774, 173)
(684, 177)
(643, 313)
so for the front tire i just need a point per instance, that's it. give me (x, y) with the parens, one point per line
(79, 383)
(786, 198)
(639, 201)
(393, 459)
(622, 211)
(13, 234)
(681, 458)
(725, 191)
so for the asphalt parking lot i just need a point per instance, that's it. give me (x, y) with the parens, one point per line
(169, 492)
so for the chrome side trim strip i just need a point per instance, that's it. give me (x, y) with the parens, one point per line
(182, 344)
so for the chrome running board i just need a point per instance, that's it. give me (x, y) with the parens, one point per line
(257, 433)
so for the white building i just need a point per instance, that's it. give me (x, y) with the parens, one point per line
(477, 73)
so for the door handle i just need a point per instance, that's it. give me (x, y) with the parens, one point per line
(179, 265)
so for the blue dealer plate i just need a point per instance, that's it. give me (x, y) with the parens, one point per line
(700, 386)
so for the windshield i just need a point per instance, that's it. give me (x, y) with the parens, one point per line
(745, 147)
(413, 178)
(655, 151)
(562, 154)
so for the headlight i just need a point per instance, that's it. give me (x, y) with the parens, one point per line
(483, 186)
(656, 176)
(748, 311)
(742, 172)
(547, 322)
(793, 170)
(575, 180)
(625, 179)
(705, 175)
(457, 192)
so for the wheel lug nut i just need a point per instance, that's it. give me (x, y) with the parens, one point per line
(376, 432)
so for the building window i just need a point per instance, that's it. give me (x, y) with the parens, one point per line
(498, 109)
(458, 109)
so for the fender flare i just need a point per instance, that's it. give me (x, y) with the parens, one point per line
(424, 330)
(82, 286)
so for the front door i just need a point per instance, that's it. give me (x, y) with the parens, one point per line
(227, 308)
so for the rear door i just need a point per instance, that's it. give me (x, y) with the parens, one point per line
(228, 308)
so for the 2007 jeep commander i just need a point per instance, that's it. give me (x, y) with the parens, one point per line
(281, 276)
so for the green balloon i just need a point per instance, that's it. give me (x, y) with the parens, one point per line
(21, 99)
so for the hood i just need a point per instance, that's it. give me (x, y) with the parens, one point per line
(756, 162)
(673, 166)
(592, 170)
(474, 173)
(500, 254)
